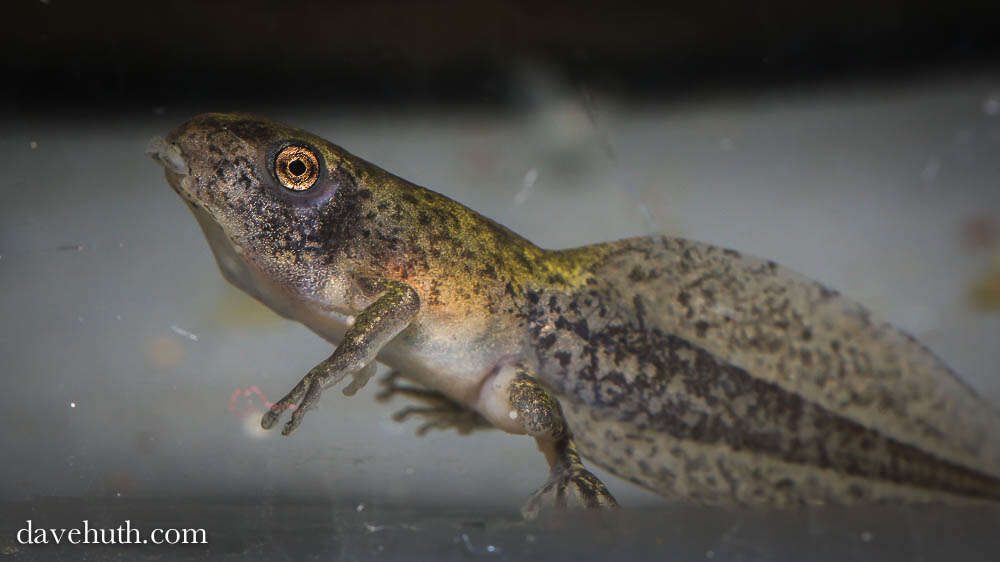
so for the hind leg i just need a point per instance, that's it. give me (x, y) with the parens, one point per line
(440, 412)
(520, 403)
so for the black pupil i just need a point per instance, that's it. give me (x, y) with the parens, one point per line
(297, 167)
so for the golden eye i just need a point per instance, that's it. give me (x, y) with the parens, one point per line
(297, 168)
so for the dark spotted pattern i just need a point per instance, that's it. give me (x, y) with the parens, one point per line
(681, 364)
(605, 347)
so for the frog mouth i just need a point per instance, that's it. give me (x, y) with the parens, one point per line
(227, 254)
(168, 155)
(178, 172)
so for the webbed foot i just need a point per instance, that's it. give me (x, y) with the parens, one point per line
(573, 487)
(441, 412)
(570, 484)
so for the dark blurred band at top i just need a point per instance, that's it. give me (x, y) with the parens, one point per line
(456, 51)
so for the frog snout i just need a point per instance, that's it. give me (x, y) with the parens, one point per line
(168, 155)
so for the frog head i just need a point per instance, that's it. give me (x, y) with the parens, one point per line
(276, 203)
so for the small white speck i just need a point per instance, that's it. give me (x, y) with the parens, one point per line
(118, 494)
(373, 528)
(491, 548)
(867, 536)
(512, 414)
(726, 144)
(991, 106)
(360, 508)
(930, 171)
(408, 470)
(33, 144)
(184, 333)
(72, 404)
(709, 554)
(527, 185)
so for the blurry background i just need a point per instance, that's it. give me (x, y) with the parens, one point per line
(856, 142)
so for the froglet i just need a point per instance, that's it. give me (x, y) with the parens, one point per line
(692, 370)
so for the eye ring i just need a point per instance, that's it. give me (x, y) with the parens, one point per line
(296, 168)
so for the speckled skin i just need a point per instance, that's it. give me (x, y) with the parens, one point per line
(688, 369)
(695, 370)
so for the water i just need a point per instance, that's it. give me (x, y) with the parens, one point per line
(134, 375)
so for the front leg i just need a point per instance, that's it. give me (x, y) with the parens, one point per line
(538, 414)
(381, 321)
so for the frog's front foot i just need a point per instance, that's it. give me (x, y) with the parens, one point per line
(571, 487)
(308, 390)
(441, 412)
